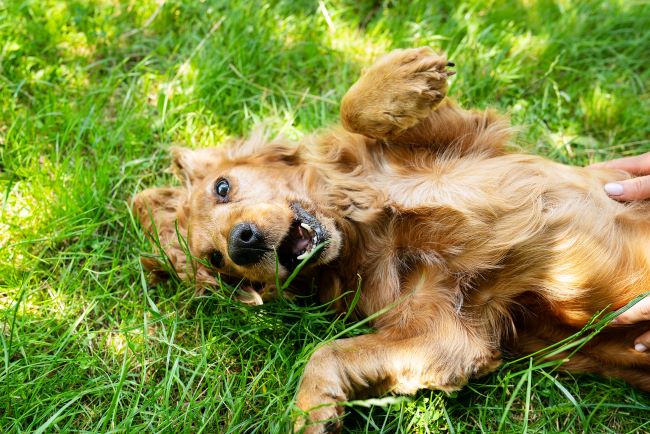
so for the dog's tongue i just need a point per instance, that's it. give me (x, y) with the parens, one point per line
(300, 240)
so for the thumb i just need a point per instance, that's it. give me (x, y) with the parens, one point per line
(630, 189)
(637, 313)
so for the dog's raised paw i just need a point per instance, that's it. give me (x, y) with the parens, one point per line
(421, 72)
(397, 92)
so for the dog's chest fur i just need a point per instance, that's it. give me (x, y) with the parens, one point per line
(491, 228)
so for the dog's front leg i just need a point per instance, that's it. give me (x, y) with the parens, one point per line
(401, 100)
(374, 364)
(396, 93)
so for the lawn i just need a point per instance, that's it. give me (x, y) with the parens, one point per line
(93, 93)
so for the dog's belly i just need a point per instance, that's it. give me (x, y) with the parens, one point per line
(473, 181)
(545, 227)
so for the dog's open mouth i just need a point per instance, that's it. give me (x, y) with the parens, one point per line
(305, 235)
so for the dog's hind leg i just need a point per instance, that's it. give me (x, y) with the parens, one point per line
(401, 100)
(610, 353)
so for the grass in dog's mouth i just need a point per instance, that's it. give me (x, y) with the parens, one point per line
(305, 234)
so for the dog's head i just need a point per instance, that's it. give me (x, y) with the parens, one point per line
(250, 213)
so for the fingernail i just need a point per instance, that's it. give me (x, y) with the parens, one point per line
(614, 189)
(640, 348)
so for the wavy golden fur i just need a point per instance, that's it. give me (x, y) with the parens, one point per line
(468, 248)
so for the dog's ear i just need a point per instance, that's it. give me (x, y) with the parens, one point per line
(184, 165)
(278, 153)
(162, 213)
(263, 147)
(190, 166)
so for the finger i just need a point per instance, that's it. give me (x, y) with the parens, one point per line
(638, 312)
(630, 189)
(642, 343)
(639, 165)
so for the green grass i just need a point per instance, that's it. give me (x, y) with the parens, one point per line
(92, 93)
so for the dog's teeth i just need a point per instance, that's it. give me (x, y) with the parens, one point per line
(303, 256)
(306, 226)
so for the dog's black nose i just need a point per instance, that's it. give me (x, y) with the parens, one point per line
(246, 244)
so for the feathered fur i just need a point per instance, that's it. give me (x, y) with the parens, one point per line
(468, 248)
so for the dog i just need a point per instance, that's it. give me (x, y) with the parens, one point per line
(460, 248)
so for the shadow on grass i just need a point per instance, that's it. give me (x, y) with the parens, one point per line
(92, 90)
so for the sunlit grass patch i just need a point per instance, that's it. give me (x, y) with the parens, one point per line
(24, 214)
(356, 45)
(601, 108)
(92, 93)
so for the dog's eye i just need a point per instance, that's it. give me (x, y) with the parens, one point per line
(216, 259)
(222, 188)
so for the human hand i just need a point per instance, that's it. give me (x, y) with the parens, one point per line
(638, 312)
(631, 189)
